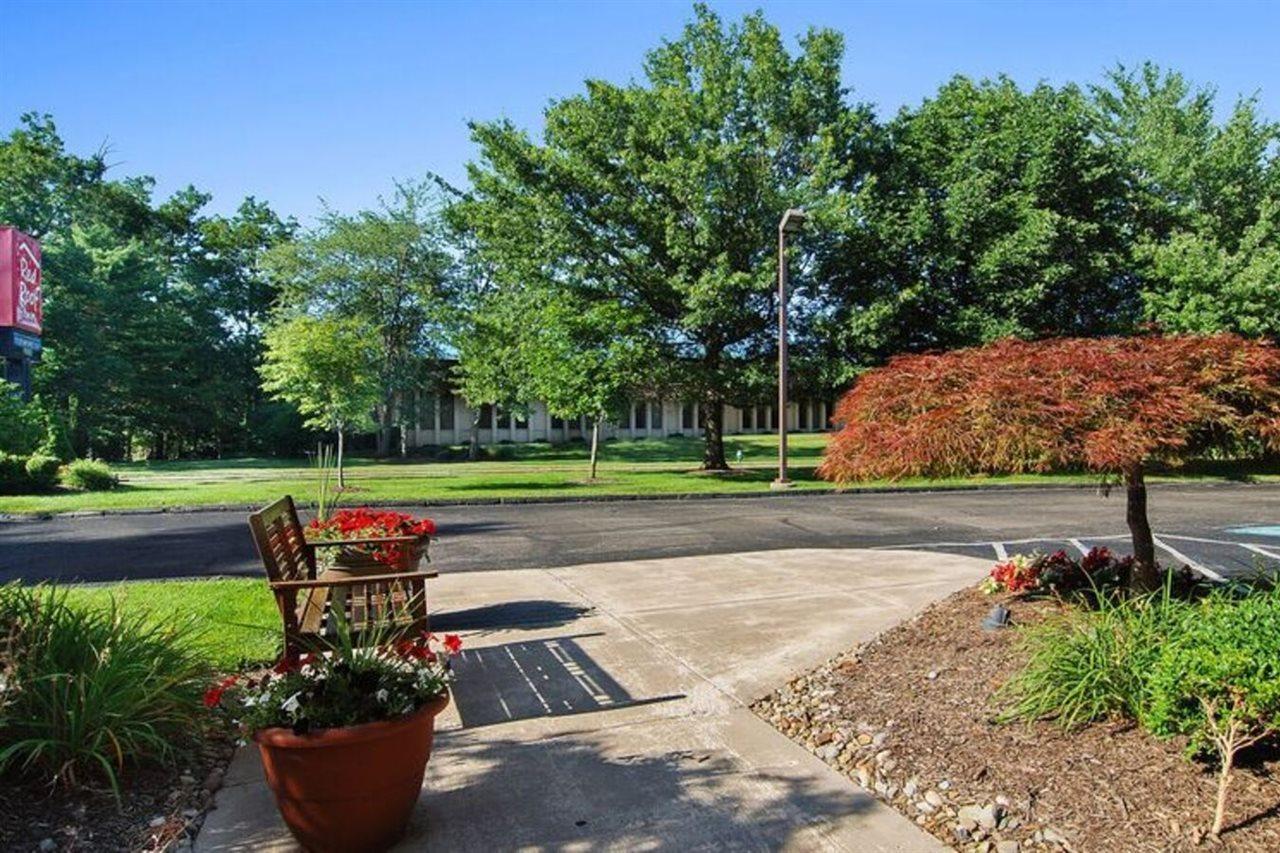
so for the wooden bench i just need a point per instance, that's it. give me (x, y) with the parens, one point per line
(384, 605)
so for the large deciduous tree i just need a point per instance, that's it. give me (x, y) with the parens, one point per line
(662, 197)
(989, 212)
(390, 268)
(1110, 405)
(1201, 207)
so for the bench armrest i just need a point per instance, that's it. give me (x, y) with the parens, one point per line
(399, 577)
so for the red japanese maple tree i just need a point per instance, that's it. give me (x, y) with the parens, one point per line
(1110, 405)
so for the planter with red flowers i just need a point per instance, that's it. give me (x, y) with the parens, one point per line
(365, 523)
(345, 736)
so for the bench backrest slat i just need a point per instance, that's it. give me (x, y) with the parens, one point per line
(281, 544)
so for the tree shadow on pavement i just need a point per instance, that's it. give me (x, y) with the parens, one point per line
(580, 791)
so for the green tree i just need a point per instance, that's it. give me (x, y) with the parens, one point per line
(662, 197)
(989, 212)
(1202, 202)
(390, 268)
(578, 358)
(141, 346)
(327, 367)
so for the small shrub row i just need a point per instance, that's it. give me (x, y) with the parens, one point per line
(20, 475)
(25, 475)
(1207, 670)
(87, 691)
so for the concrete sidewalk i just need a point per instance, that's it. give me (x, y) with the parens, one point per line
(610, 710)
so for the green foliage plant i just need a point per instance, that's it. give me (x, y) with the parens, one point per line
(89, 475)
(1217, 682)
(1085, 665)
(89, 691)
(42, 472)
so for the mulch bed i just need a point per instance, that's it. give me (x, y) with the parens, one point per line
(909, 716)
(161, 808)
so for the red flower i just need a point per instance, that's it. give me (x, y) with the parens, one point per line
(213, 695)
(453, 643)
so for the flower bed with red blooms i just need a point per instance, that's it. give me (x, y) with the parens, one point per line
(366, 523)
(1058, 573)
(348, 686)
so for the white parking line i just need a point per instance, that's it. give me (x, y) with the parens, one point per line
(1181, 557)
(1079, 546)
(1001, 553)
(1258, 549)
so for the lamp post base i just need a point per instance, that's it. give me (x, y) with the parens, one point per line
(781, 484)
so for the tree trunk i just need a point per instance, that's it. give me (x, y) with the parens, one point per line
(1224, 784)
(1144, 578)
(342, 478)
(386, 415)
(595, 443)
(473, 448)
(713, 435)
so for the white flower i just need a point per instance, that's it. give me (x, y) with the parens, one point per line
(382, 695)
(291, 705)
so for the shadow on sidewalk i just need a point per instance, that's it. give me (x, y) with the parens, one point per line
(539, 678)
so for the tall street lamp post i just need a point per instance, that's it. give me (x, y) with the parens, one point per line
(791, 222)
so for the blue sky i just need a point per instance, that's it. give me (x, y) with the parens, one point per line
(296, 101)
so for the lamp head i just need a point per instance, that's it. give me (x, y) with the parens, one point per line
(792, 220)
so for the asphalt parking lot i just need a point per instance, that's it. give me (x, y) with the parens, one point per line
(1236, 552)
(1227, 529)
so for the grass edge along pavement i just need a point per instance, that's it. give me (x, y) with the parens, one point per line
(632, 470)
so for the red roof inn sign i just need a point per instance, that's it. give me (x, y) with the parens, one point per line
(21, 310)
(19, 281)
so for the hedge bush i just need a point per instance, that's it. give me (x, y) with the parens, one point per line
(89, 475)
(13, 474)
(42, 472)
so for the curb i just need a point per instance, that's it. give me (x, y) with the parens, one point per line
(684, 496)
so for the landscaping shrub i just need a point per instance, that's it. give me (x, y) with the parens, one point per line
(42, 472)
(13, 474)
(90, 475)
(90, 690)
(1087, 665)
(1217, 681)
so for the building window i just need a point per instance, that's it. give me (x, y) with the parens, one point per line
(446, 411)
(486, 416)
(656, 420)
(702, 417)
(426, 411)
(522, 420)
(641, 421)
(747, 412)
(804, 415)
(504, 419)
(686, 416)
(557, 422)
(773, 418)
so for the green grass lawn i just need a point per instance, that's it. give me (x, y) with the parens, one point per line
(232, 619)
(640, 467)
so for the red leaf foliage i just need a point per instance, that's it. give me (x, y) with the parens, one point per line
(1105, 404)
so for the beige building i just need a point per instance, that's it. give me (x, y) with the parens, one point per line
(446, 419)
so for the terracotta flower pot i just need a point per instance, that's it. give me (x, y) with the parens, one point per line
(350, 790)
